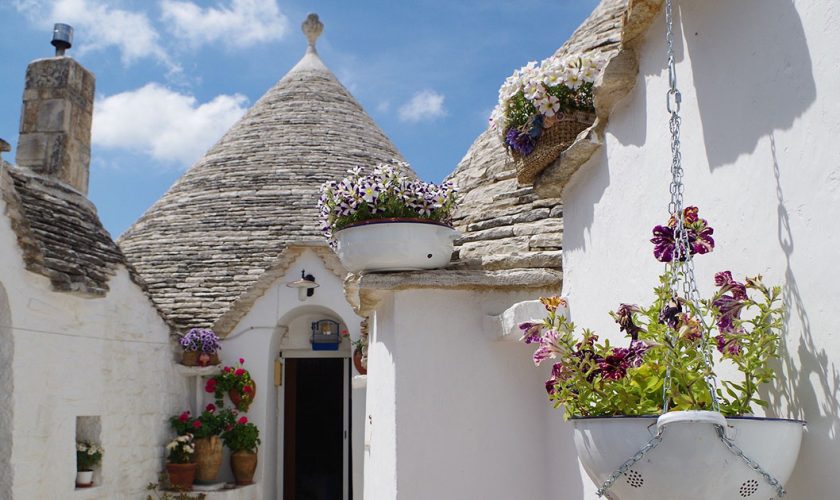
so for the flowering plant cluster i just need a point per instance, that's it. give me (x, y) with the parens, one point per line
(593, 378)
(699, 237)
(212, 422)
(242, 436)
(237, 382)
(535, 96)
(201, 339)
(389, 191)
(180, 450)
(88, 455)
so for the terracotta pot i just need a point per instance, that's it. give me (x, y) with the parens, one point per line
(357, 362)
(181, 476)
(196, 358)
(244, 464)
(239, 402)
(208, 458)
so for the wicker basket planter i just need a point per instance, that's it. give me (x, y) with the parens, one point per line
(195, 358)
(550, 144)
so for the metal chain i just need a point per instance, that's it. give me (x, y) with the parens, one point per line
(630, 462)
(681, 268)
(752, 464)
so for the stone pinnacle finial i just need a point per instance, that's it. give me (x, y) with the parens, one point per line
(312, 28)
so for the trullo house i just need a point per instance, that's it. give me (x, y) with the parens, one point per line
(451, 406)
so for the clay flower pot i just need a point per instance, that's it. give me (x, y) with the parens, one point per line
(181, 476)
(208, 458)
(357, 362)
(239, 401)
(244, 464)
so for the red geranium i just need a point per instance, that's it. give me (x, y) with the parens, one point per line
(242, 420)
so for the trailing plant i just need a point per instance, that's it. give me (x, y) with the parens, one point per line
(180, 450)
(88, 455)
(157, 491)
(242, 436)
(535, 96)
(740, 323)
(388, 191)
(201, 340)
(212, 422)
(233, 378)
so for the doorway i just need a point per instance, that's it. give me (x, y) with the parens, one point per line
(315, 429)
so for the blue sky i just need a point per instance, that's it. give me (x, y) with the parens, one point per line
(173, 75)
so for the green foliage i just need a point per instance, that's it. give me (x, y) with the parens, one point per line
(157, 492)
(211, 422)
(88, 455)
(592, 378)
(242, 436)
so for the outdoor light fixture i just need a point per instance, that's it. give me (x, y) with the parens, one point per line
(306, 285)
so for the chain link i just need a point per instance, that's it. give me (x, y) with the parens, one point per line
(681, 270)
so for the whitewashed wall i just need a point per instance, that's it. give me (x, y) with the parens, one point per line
(761, 124)
(456, 412)
(109, 357)
(257, 339)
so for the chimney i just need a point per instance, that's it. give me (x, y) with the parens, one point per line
(57, 110)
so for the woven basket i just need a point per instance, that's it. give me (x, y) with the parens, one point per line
(550, 144)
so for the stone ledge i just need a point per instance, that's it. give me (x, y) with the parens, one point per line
(460, 280)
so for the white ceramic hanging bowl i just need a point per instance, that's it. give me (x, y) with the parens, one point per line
(395, 245)
(691, 462)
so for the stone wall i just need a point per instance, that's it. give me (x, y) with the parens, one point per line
(109, 358)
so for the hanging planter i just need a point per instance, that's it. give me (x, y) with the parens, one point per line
(542, 109)
(703, 446)
(236, 382)
(690, 458)
(389, 221)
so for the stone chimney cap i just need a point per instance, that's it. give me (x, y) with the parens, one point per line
(312, 27)
(62, 38)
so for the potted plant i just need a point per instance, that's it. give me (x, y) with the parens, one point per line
(236, 381)
(206, 430)
(201, 346)
(613, 394)
(180, 465)
(542, 108)
(360, 347)
(242, 439)
(88, 456)
(388, 221)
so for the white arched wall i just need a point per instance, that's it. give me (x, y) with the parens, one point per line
(6, 395)
(279, 321)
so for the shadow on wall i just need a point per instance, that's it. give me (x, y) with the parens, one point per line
(6, 390)
(809, 390)
(752, 71)
(590, 183)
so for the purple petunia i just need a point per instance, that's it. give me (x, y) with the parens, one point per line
(200, 339)
(520, 142)
(699, 234)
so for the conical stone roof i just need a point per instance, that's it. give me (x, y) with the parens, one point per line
(229, 217)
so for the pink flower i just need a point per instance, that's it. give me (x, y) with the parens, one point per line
(239, 372)
(241, 361)
(210, 386)
(247, 389)
(184, 416)
(242, 420)
(210, 408)
(197, 424)
(227, 369)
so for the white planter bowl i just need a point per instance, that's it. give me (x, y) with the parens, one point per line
(84, 478)
(691, 462)
(395, 245)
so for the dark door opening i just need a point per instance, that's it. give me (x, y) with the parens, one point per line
(314, 429)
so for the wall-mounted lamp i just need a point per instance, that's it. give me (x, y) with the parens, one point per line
(306, 285)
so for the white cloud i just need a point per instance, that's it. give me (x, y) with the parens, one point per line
(168, 126)
(424, 105)
(99, 26)
(242, 24)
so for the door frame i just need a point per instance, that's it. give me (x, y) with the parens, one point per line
(280, 424)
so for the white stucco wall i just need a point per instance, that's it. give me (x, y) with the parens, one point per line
(257, 338)
(761, 117)
(455, 412)
(109, 357)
